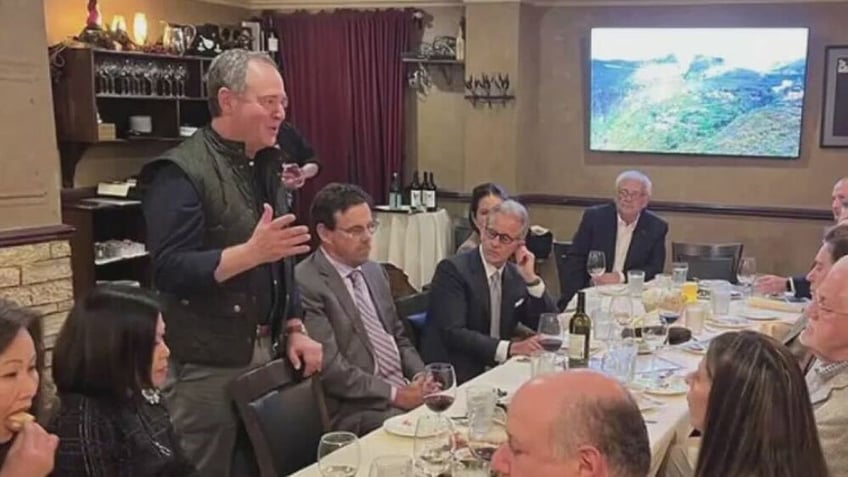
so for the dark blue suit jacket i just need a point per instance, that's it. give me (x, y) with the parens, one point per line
(597, 231)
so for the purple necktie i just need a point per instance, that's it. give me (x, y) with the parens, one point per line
(388, 360)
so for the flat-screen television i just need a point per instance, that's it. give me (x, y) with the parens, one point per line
(702, 91)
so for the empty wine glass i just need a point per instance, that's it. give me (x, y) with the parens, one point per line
(621, 311)
(339, 454)
(747, 272)
(433, 445)
(596, 264)
(484, 444)
(550, 332)
(439, 386)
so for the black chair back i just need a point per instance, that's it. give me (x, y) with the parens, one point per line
(699, 255)
(560, 251)
(410, 310)
(284, 417)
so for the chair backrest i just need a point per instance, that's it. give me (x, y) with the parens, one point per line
(560, 251)
(461, 231)
(412, 311)
(398, 281)
(716, 268)
(284, 417)
(685, 252)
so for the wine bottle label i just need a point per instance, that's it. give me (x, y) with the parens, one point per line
(576, 345)
(273, 44)
(415, 199)
(430, 199)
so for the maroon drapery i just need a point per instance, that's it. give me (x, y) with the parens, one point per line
(345, 82)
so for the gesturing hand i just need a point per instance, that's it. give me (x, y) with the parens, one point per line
(275, 239)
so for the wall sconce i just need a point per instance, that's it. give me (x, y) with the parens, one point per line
(119, 23)
(140, 28)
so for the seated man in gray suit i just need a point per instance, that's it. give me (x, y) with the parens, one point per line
(826, 335)
(348, 308)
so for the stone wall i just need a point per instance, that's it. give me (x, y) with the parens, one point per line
(38, 276)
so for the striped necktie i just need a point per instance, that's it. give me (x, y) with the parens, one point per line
(385, 350)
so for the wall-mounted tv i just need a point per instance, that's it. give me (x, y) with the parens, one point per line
(702, 91)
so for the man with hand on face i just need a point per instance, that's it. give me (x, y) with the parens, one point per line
(221, 260)
(631, 237)
(479, 298)
(349, 309)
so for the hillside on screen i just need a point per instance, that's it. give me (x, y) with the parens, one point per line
(706, 91)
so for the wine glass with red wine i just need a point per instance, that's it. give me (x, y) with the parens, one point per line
(550, 332)
(439, 387)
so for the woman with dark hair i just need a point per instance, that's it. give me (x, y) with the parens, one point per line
(749, 400)
(26, 449)
(484, 198)
(109, 361)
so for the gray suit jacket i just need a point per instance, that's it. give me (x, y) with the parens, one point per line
(830, 405)
(357, 399)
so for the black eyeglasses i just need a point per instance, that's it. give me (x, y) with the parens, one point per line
(502, 238)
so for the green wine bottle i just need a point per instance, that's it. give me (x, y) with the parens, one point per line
(579, 335)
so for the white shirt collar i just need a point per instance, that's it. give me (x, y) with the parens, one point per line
(490, 269)
(344, 270)
(622, 223)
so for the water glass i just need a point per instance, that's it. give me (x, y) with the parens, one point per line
(338, 454)
(679, 272)
(690, 291)
(433, 445)
(391, 466)
(695, 317)
(720, 300)
(662, 280)
(480, 402)
(544, 363)
(603, 325)
(635, 282)
(620, 360)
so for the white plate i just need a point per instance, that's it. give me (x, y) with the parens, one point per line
(611, 290)
(758, 315)
(403, 426)
(729, 322)
(673, 386)
(647, 403)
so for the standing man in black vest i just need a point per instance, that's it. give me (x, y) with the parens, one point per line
(221, 255)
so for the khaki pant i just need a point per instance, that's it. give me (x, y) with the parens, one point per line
(202, 412)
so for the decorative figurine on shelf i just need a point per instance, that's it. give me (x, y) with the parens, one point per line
(93, 33)
(95, 20)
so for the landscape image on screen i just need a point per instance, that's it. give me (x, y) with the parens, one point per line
(704, 91)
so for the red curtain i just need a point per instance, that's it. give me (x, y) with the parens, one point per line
(345, 82)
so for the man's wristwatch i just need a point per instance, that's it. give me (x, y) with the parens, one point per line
(298, 327)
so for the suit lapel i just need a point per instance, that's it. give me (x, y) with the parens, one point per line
(609, 240)
(840, 381)
(638, 240)
(511, 291)
(339, 289)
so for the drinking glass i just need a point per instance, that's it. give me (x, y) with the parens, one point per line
(433, 445)
(440, 386)
(338, 454)
(679, 272)
(621, 310)
(695, 317)
(484, 444)
(620, 360)
(747, 272)
(596, 264)
(391, 466)
(635, 282)
(550, 332)
(720, 300)
(481, 402)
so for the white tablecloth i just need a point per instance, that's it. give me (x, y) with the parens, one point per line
(666, 425)
(415, 243)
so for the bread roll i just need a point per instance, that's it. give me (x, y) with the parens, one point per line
(16, 421)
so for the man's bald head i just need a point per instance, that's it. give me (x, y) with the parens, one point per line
(561, 420)
(826, 333)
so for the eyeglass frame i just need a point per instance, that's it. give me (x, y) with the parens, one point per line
(358, 231)
(624, 194)
(504, 239)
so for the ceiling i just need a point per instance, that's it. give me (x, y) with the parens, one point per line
(317, 4)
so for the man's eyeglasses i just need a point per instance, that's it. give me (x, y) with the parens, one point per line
(630, 195)
(359, 231)
(502, 238)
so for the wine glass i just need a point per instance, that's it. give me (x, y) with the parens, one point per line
(391, 466)
(621, 311)
(747, 272)
(550, 332)
(484, 444)
(338, 454)
(439, 387)
(596, 264)
(433, 446)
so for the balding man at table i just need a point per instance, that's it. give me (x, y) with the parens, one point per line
(800, 285)
(574, 424)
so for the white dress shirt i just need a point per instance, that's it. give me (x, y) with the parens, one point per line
(623, 237)
(536, 291)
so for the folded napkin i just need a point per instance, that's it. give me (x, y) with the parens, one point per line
(775, 305)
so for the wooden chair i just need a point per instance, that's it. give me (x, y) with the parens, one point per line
(284, 417)
(398, 281)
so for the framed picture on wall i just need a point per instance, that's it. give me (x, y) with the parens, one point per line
(255, 29)
(834, 129)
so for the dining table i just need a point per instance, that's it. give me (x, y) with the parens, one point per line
(666, 412)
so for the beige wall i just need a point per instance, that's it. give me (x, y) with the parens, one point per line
(29, 181)
(538, 144)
